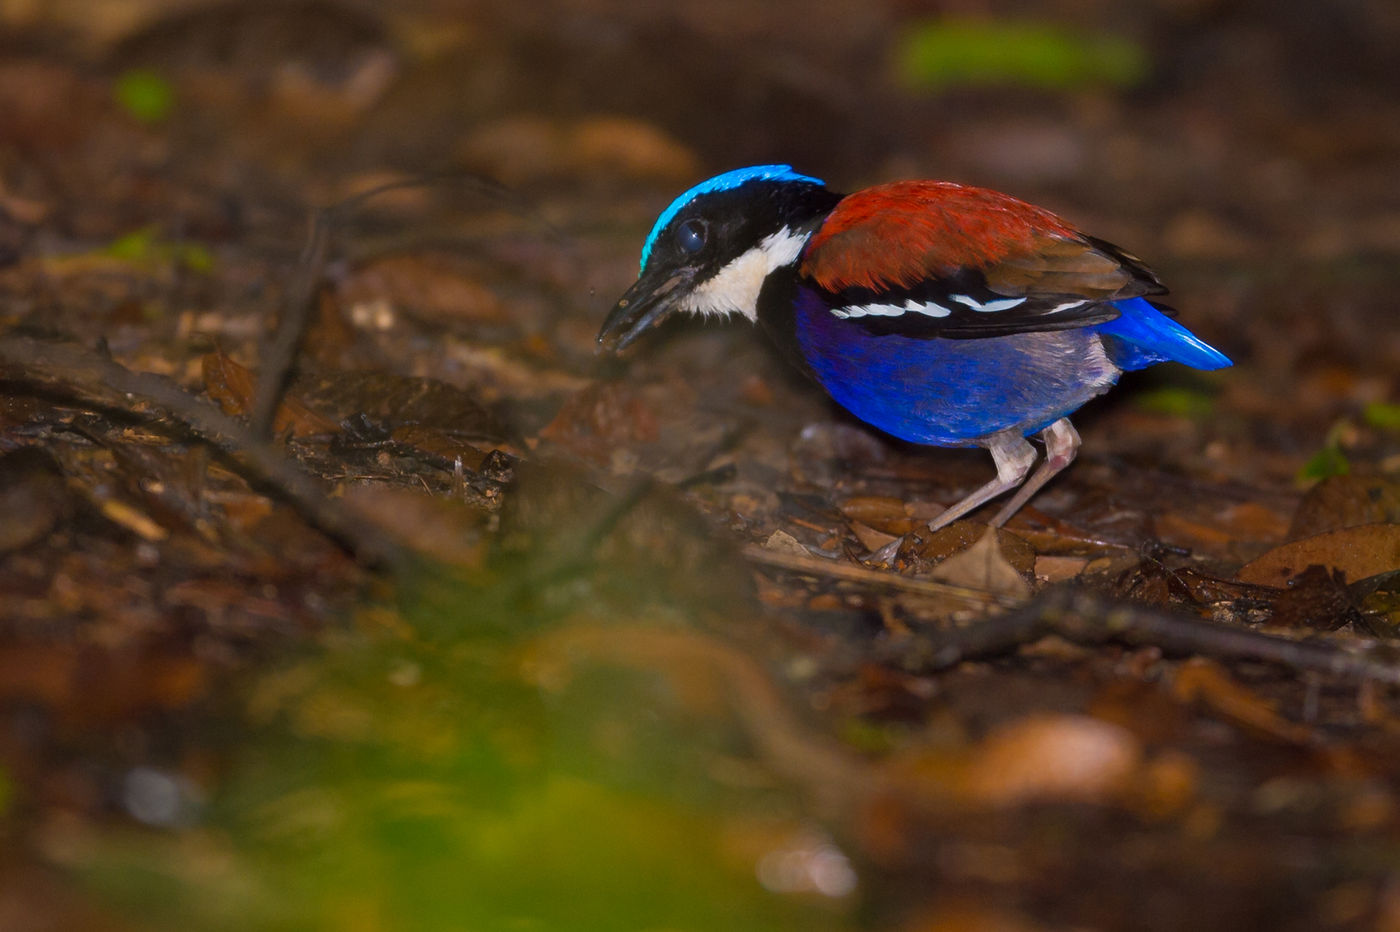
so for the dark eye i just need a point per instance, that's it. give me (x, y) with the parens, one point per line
(690, 236)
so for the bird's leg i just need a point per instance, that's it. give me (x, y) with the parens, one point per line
(1013, 456)
(1061, 444)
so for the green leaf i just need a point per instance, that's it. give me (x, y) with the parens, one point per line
(136, 246)
(145, 95)
(146, 247)
(1329, 461)
(1177, 401)
(939, 54)
(1382, 415)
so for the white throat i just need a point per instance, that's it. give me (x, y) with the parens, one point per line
(734, 288)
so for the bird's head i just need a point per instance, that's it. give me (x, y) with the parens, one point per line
(711, 250)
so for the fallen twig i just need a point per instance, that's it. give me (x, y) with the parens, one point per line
(1091, 618)
(884, 579)
(278, 354)
(76, 372)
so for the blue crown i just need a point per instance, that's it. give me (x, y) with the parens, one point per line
(725, 182)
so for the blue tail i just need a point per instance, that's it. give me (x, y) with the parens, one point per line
(1142, 335)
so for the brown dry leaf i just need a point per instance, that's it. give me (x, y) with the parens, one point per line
(1206, 683)
(445, 530)
(631, 147)
(1168, 784)
(1254, 521)
(520, 149)
(1056, 568)
(233, 386)
(870, 538)
(1183, 530)
(47, 105)
(433, 287)
(983, 566)
(1039, 757)
(1346, 501)
(33, 497)
(882, 513)
(434, 442)
(399, 401)
(97, 685)
(1359, 552)
(1316, 599)
(1065, 757)
(602, 419)
(781, 541)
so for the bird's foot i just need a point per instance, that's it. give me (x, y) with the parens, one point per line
(1013, 456)
(1061, 444)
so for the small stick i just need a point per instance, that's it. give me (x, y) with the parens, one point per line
(1090, 618)
(279, 353)
(95, 379)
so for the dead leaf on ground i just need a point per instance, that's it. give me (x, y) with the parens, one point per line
(1317, 599)
(520, 149)
(234, 387)
(984, 566)
(430, 286)
(96, 685)
(601, 420)
(1052, 757)
(33, 497)
(1206, 683)
(870, 538)
(1057, 569)
(1036, 758)
(1346, 501)
(883, 513)
(1359, 552)
(440, 528)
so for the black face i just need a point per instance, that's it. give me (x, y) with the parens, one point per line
(704, 237)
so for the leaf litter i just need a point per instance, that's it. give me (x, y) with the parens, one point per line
(342, 587)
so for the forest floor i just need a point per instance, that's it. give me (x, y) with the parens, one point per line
(343, 584)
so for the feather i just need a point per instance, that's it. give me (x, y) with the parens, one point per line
(936, 259)
(893, 235)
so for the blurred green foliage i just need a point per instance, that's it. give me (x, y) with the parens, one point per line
(1176, 401)
(1332, 460)
(145, 95)
(1382, 415)
(440, 767)
(1328, 461)
(146, 247)
(941, 53)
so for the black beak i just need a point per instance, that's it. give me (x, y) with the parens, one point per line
(654, 297)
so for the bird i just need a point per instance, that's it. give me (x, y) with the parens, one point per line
(936, 312)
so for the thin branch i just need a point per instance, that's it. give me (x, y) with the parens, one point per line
(76, 372)
(884, 579)
(299, 301)
(1090, 618)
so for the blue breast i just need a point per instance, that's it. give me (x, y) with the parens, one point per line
(955, 392)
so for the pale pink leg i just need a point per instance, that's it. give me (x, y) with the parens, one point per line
(1061, 444)
(1013, 456)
